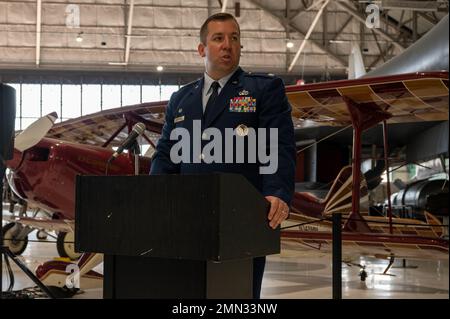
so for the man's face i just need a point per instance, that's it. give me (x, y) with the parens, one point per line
(223, 48)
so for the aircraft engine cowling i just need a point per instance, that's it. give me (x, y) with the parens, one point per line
(413, 200)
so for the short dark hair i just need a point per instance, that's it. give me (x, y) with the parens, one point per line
(221, 16)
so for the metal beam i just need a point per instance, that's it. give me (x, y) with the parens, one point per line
(286, 27)
(410, 5)
(391, 22)
(428, 18)
(342, 28)
(383, 56)
(295, 28)
(325, 27)
(129, 28)
(210, 6)
(224, 6)
(308, 34)
(414, 26)
(362, 19)
(379, 47)
(362, 33)
(38, 31)
(307, 9)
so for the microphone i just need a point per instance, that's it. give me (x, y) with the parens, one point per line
(137, 131)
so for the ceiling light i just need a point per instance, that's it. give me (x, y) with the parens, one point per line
(159, 68)
(339, 41)
(290, 44)
(80, 37)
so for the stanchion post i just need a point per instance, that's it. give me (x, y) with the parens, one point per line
(337, 256)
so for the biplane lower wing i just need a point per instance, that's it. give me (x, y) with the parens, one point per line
(375, 244)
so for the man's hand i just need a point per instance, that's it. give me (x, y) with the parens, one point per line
(279, 211)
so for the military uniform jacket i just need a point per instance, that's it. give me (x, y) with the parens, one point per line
(246, 101)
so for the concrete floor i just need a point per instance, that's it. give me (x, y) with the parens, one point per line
(302, 274)
(296, 274)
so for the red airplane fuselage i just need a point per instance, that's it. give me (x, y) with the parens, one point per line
(44, 175)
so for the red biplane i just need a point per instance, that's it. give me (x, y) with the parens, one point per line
(44, 174)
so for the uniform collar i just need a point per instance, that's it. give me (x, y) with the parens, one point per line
(222, 81)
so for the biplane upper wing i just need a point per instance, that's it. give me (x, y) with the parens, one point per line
(111, 126)
(409, 97)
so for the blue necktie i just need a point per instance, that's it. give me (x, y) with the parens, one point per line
(212, 99)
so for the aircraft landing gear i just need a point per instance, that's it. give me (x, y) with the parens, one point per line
(65, 244)
(41, 235)
(15, 237)
(363, 273)
(391, 262)
(362, 270)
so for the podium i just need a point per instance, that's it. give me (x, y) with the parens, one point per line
(174, 236)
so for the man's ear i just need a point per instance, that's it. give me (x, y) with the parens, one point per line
(201, 50)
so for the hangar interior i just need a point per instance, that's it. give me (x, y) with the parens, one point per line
(81, 57)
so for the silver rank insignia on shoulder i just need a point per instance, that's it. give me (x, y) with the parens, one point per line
(243, 92)
(241, 130)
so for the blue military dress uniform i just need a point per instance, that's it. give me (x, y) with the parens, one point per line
(247, 100)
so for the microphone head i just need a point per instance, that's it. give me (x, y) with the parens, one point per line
(139, 128)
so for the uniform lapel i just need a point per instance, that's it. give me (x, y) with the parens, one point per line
(231, 89)
(192, 103)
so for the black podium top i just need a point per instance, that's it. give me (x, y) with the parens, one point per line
(199, 217)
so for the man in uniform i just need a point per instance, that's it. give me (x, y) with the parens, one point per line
(228, 97)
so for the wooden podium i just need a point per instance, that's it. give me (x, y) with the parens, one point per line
(174, 236)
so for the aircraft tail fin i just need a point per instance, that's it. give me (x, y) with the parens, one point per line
(339, 198)
(356, 67)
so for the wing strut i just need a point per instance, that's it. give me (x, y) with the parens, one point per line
(386, 161)
(363, 117)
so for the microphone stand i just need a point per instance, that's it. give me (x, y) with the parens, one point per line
(6, 253)
(136, 151)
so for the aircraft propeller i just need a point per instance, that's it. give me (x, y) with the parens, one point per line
(35, 132)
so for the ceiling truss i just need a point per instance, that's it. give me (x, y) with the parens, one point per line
(136, 35)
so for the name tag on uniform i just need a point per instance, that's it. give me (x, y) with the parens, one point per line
(243, 104)
(179, 119)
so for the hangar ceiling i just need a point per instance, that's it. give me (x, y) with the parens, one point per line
(134, 36)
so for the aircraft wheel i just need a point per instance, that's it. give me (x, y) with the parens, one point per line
(41, 235)
(10, 240)
(65, 244)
